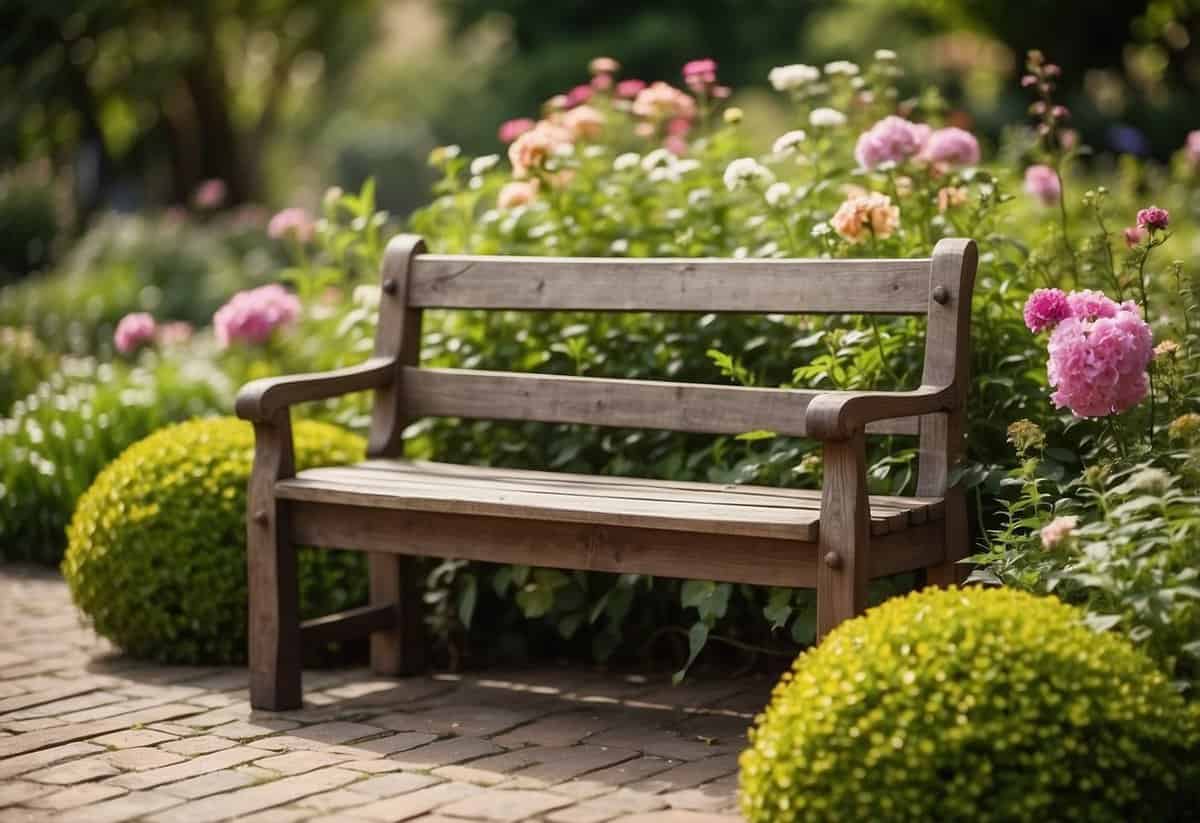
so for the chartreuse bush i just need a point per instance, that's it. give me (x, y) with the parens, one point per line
(980, 705)
(156, 552)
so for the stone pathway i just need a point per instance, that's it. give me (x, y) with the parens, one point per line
(87, 735)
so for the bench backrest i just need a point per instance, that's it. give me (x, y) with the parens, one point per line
(938, 287)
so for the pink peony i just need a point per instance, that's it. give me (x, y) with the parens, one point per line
(629, 88)
(1042, 182)
(251, 316)
(293, 222)
(1098, 366)
(1153, 219)
(660, 101)
(951, 147)
(510, 130)
(1058, 530)
(893, 139)
(1045, 309)
(1135, 235)
(210, 194)
(133, 331)
(517, 193)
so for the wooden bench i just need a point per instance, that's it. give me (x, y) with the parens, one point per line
(833, 540)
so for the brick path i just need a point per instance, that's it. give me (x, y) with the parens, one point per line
(87, 735)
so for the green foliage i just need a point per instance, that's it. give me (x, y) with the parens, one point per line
(55, 441)
(157, 554)
(29, 226)
(979, 705)
(24, 363)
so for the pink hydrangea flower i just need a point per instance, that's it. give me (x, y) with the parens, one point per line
(893, 139)
(293, 222)
(210, 194)
(1058, 530)
(133, 331)
(251, 316)
(1042, 182)
(629, 89)
(951, 147)
(1089, 304)
(1098, 366)
(1153, 219)
(1045, 309)
(510, 130)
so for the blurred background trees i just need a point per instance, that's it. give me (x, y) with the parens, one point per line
(131, 104)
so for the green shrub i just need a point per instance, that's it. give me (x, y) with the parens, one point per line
(981, 705)
(24, 363)
(28, 225)
(157, 547)
(56, 440)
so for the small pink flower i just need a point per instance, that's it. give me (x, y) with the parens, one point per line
(603, 65)
(292, 222)
(251, 316)
(1192, 147)
(679, 126)
(602, 82)
(584, 122)
(660, 101)
(133, 331)
(517, 193)
(893, 139)
(579, 95)
(174, 334)
(1153, 219)
(676, 145)
(1058, 530)
(629, 89)
(1042, 182)
(700, 74)
(1028, 80)
(210, 194)
(1135, 235)
(1045, 309)
(510, 130)
(951, 147)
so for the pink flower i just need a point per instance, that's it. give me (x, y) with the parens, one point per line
(602, 82)
(676, 145)
(293, 222)
(1098, 366)
(533, 148)
(174, 334)
(951, 147)
(1045, 309)
(1135, 235)
(629, 88)
(700, 74)
(660, 101)
(866, 215)
(893, 139)
(1192, 147)
(210, 194)
(584, 122)
(1088, 304)
(1042, 182)
(517, 193)
(1153, 219)
(251, 316)
(603, 65)
(133, 331)
(579, 95)
(1058, 530)
(510, 130)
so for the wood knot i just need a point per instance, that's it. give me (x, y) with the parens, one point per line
(941, 295)
(833, 560)
(261, 517)
(390, 286)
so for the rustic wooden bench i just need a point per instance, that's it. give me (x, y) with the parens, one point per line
(833, 540)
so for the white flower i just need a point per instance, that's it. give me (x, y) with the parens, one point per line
(366, 296)
(884, 55)
(786, 78)
(619, 246)
(484, 164)
(842, 67)
(686, 165)
(820, 229)
(743, 171)
(656, 158)
(697, 196)
(786, 143)
(826, 118)
(594, 151)
(776, 193)
(626, 161)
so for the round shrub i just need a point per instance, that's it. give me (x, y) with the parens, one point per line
(979, 705)
(156, 553)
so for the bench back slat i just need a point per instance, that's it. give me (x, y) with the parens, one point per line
(637, 404)
(670, 285)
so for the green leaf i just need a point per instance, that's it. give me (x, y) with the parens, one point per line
(757, 434)
(779, 607)
(466, 601)
(697, 640)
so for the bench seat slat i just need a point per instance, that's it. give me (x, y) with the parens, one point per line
(635, 404)
(430, 487)
(666, 284)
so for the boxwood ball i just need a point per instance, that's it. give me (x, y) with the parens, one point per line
(156, 554)
(972, 705)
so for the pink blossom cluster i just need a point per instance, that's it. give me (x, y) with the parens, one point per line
(893, 139)
(1098, 351)
(133, 331)
(1153, 218)
(251, 316)
(293, 222)
(951, 146)
(1042, 183)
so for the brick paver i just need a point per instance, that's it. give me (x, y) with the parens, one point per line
(88, 735)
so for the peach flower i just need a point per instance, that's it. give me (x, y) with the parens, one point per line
(866, 215)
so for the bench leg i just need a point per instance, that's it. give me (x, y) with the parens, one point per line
(843, 535)
(274, 619)
(958, 543)
(395, 579)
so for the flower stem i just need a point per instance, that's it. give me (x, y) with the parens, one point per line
(1062, 216)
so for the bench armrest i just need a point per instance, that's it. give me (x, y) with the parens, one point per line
(260, 400)
(838, 415)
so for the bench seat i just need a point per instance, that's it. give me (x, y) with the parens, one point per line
(750, 511)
